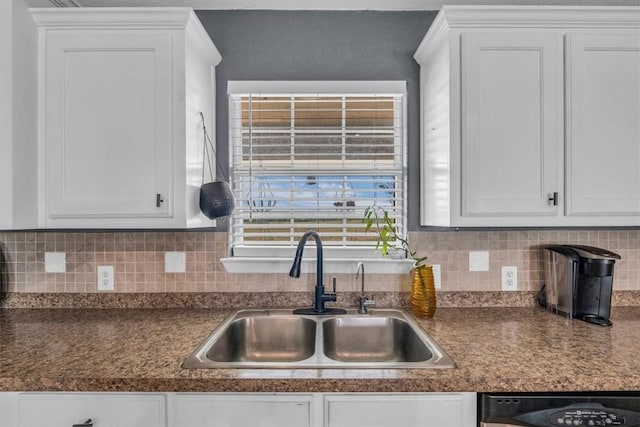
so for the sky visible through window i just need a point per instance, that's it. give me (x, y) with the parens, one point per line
(276, 193)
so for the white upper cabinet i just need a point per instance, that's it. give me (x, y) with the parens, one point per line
(121, 137)
(530, 116)
(108, 125)
(603, 124)
(511, 123)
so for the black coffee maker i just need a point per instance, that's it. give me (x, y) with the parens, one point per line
(578, 282)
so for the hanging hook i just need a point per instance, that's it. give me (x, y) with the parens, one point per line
(205, 153)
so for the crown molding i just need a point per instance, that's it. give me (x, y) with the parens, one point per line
(567, 17)
(436, 33)
(379, 5)
(540, 17)
(196, 32)
(120, 17)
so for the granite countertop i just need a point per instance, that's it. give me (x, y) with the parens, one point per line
(495, 349)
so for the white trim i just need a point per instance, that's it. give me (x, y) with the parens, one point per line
(18, 116)
(436, 33)
(242, 169)
(382, 5)
(122, 18)
(42, 118)
(396, 5)
(343, 87)
(541, 17)
(201, 39)
(6, 116)
(331, 265)
(560, 17)
(114, 17)
(285, 251)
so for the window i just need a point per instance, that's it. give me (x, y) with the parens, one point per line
(314, 155)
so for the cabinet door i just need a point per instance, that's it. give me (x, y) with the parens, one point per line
(603, 124)
(511, 123)
(242, 410)
(406, 410)
(108, 128)
(66, 409)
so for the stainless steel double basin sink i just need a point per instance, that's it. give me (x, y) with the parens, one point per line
(280, 339)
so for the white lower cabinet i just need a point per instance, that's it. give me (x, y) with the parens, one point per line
(324, 410)
(82, 409)
(28, 409)
(400, 409)
(243, 410)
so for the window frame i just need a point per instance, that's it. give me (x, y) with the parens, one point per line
(269, 258)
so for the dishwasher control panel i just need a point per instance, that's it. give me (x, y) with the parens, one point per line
(559, 409)
(581, 416)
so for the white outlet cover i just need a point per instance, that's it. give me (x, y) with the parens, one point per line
(55, 262)
(437, 276)
(509, 276)
(105, 278)
(478, 261)
(175, 262)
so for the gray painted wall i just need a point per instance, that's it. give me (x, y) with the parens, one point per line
(321, 45)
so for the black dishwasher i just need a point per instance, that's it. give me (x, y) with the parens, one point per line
(559, 409)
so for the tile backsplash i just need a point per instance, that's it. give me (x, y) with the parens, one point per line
(138, 259)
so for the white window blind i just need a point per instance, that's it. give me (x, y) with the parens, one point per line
(315, 161)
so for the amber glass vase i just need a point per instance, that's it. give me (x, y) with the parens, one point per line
(423, 292)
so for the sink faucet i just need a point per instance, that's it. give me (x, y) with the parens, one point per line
(363, 302)
(321, 296)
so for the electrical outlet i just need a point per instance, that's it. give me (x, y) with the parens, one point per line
(509, 278)
(105, 278)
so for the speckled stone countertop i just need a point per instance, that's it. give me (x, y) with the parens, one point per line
(495, 349)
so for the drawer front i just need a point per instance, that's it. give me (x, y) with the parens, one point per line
(103, 409)
(401, 409)
(241, 410)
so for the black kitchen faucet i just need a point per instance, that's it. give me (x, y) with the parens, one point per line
(321, 296)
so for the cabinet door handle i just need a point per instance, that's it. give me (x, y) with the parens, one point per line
(159, 200)
(554, 198)
(87, 423)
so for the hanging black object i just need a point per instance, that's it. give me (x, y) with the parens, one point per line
(216, 198)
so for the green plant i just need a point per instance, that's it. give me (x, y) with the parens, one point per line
(377, 219)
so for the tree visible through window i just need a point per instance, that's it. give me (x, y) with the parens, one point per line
(303, 161)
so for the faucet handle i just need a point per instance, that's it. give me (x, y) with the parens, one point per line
(334, 285)
(364, 303)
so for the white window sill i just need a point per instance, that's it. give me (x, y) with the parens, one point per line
(282, 265)
(337, 260)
